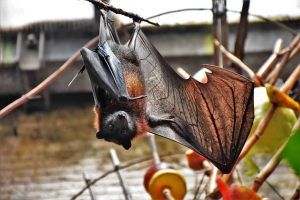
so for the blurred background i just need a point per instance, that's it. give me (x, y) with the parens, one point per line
(46, 144)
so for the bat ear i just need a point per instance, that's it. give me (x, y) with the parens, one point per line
(132, 41)
(99, 135)
(127, 144)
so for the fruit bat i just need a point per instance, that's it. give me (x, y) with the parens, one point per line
(136, 91)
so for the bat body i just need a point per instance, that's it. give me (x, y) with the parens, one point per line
(120, 116)
(136, 91)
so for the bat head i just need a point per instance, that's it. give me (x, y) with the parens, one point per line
(119, 128)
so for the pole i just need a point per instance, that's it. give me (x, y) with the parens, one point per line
(87, 181)
(116, 162)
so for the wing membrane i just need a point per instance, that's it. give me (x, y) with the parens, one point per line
(215, 118)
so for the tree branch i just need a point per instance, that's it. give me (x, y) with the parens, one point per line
(265, 68)
(100, 4)
(273, 76)
(239, 49)
(240, 64)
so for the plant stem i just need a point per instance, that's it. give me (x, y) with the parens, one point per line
(273, 76)
(271, 165)
(289, 83)
(239, 63)
(265, 68)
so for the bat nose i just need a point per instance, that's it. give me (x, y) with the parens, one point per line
(121, 116)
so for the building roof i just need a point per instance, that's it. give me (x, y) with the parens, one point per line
(18, 15)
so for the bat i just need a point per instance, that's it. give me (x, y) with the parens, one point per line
(136, 91)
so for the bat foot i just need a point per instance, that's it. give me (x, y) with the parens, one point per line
(175, 123)
(158, 120)
(125, 99)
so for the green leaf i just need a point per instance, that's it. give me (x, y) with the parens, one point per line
(279, 128)
(291, 152)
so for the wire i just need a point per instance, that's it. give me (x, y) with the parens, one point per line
(279, 24)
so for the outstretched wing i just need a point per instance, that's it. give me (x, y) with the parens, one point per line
(214, 119)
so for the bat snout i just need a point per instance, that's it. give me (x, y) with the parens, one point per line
(118, 128)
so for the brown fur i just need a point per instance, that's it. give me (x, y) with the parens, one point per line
(97, 112)
(134, 84)
(135, 87)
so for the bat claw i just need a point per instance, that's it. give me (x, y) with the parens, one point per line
(125, 99)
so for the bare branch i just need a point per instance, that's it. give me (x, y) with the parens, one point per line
(102, 5)
(265, 68)
(239, 49)
(240, 64)
(289, 83)
(129, 164)
(273, 76)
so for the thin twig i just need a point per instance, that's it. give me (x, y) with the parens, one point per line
(265, 68)
(273, 76)
(271, 165)
(197, 190)
(43, 85)
(102, 5)
(268, 169)
(239, 63)
(129, 164)
(239, 176)
(295, 51)
(283, 62)
(289, 83)
(239, 49)
(274, 189)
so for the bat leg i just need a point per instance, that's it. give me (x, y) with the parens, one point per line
(127, 98)
(156, 120)
(174, 122)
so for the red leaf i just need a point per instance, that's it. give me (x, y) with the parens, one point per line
(224, 189)
(238, 192)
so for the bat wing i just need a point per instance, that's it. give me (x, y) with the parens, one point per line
(103, 67)
(214, 119)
